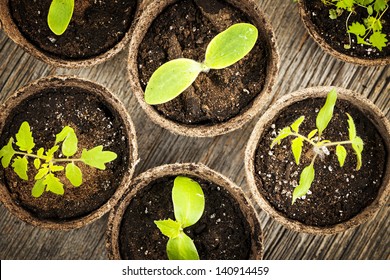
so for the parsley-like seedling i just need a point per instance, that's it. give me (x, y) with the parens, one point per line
(59, 16)
(320, 145)
(188, 205)
(369, 31)
(45, 162)
(225, 49)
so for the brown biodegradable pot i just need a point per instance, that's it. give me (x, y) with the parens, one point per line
(331, 35)
(340, 197)
(98, 30)
(228, 229)
(220, 101)
(98, 118)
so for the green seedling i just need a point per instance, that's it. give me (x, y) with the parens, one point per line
(175, 76)
(319, 145)
(46, 164)
(59, 16)
(188, 205)
(369, 31)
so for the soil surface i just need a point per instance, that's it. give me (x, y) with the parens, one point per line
(95, 123)
(96, 26)
(221, 233)
(337, 193)
(184, 29)
(334, 31)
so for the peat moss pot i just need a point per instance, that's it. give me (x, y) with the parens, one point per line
(339, 197)
(332, 35)
(98, 118)
(96, 32)
(228, 228)
(221, 100)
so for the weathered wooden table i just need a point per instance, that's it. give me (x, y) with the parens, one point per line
(302, 64)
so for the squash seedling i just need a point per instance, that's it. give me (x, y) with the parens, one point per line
(319, 145)
(175, 76)
(188, 205)
(369, 31)
(45, 162)
(59, 16)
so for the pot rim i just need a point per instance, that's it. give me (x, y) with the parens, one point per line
(191, 169)
(259, 103)
(98, 90)
(373, 113)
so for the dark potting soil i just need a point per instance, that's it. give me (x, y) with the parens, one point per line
(95, 123)
(96, 26)
(335, 31)
(221, 233)
(337, 193)
(184, 29)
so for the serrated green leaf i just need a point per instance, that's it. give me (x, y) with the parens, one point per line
(283, 133)
(312, 133)
(69, 138)
(341, 153)
(297, 123)
(20, 167)
(357, 28)
(380, 5)
(7, 153)
(296, 146)
(188, 201)
(305, 181)
(345, 4)
(231, 45)
(96, 157)
(373, 23)
(38, 189)
(182, 248)
(169, 227)
(50, 152)
(53, 184)
(357, 146)
(24, 139)
(41, 173)
(60, 14)
(74, 175)
(171, 79)
(378, 40)
(333, 14)
(326, 113)
(351, 128)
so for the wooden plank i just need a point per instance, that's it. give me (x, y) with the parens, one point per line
(302, 64)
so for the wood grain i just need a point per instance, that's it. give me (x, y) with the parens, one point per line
(303, 64)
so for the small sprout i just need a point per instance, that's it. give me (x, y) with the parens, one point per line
(320, 146)
(369, 31)
(188, 205)
(175, 76)
(59, 16)
(45, 162)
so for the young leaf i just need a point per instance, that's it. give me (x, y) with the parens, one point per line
(53, 184)
(60, 14)
(38, 189)
(305, 180)
(74, 175)
(41, 173)
(188, 201)
(56, 168)
(312, 133)
(297, 123)
(50, 153)
(373, 23)
(378, 40)
(380, 5)
(171, 79)
(69, 146)
(20, 167)
(351, 128)
(296, 146)
(37, 163)
(370, 10)
(341, 153)
(96, 157)
(231, 45)
(169, 227)
(24, 138)
(182, 248)
(357, 28)
(357, 146)
(6, 153)
(326, 113)
(333, 14)
(284, 133)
